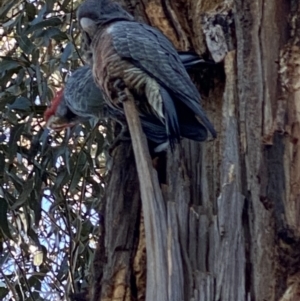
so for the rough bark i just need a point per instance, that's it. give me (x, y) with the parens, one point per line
(116, 275)
(232, 203)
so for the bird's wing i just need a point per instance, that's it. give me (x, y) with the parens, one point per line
(82, 95)
(148, 49)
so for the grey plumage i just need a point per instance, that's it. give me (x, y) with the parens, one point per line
(81, 100)
(147, 48)
(83, 96)
(146, 61)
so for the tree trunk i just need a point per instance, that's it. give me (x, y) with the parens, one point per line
(231, 203)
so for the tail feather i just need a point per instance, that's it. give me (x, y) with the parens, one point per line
(154, 130)
(198, 110)
(171, 120)
(196, 132)
(190, 59)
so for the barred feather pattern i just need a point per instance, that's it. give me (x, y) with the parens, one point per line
(108, 66)
(147, 63)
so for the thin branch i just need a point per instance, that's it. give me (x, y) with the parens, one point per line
(153, 208)
(9, 285)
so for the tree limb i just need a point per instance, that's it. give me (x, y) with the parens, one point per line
(153, 208)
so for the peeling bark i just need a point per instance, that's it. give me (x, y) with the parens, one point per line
(121, 241)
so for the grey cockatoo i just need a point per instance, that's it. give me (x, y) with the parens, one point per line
(81, 100)
(129, 54)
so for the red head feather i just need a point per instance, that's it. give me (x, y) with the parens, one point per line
(54, 104)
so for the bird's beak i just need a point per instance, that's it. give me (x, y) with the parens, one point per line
(89, 26)
(57, 124)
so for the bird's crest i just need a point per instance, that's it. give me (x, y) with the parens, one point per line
(54, 104)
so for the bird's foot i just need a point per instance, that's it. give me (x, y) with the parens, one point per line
(122, 96)
(120, 86)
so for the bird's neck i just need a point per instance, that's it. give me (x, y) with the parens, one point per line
(107, 20)
(113, 12)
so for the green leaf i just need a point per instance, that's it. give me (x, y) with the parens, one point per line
(50, 33)
(89, 161)
(6, 7)
(61, 179)
(4, 256)
(3, 218)
(21, 103)
(77, 173)
(66, 158)
(27, 188)
(36, 196)
(16, 181)
(67, 53)
(31, 10)
(54, 33)
(40, 15)
(14, 137)
(21, 77)
(14, 89)
(29, 68)
(44, 141)
(35, 56)
(52, 22)
(100, 143)
(63, 267)
(25, 44)
(2, 164)
(12, 23)
(8, 64)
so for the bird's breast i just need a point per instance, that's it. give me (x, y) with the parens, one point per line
(109, 67)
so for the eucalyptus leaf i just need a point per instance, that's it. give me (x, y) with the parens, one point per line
(25, 44)
(52, 22)
(3, 218)
(21, 103)
(27, 188)
(67, 52)
(5, 7)
(14, 137)
(2, 163)
(31, 10)
(8, 64)
(78, 171)
(40, 195)
(50, 33)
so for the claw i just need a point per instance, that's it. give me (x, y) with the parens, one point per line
(119, 86)
(122, 96)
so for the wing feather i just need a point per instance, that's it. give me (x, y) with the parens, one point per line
(148, 49)
(82, 95)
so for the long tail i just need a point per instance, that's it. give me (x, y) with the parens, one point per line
(190, 59)
(194, 131)
(154, 130)
(171, 118)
